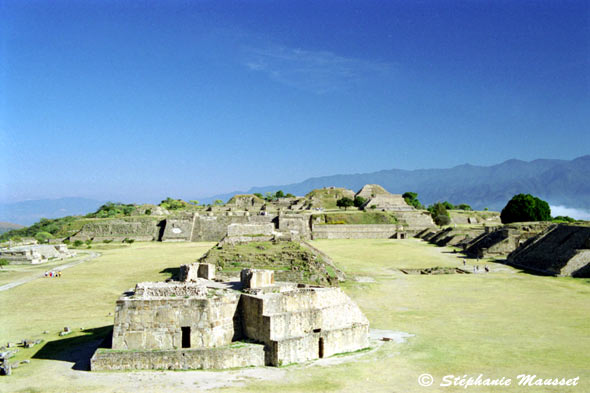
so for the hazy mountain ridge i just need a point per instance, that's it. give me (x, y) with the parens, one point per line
(29, 212)
(560, 182)
(8, 226)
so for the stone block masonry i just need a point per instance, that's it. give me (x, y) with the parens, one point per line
(235, 355)
(206, 324)
(375, 231)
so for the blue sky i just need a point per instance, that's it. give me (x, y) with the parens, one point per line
(136, 101)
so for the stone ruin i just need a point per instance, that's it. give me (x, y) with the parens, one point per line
(560, 250)
(379, 198)
(203, 324)
(36, 253)
(502, 240)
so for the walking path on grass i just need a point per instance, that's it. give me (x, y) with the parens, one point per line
(91, 255)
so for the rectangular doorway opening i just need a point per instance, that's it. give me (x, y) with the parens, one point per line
(321, 354)
(186, 336)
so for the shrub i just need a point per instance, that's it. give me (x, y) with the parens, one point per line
(43, 237)
(439, 214)
(463, 206)
(345, 202)
(3, 262)
(111, 209)
(411, 199)
(173, 204)
(78, 243)
(563, 219)
(128, 241)
(448, 205)
(107, 241)
(359, 201)
(148, 212)
(525, 207)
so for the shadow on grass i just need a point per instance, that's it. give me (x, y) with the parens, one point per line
(78, 349)
(173, 271)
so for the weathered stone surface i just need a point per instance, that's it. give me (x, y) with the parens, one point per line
(355, 231)
(562, 250)
(256, 278)
(504, 239)
(136, 228)
(36, 253)
(296, 324)
(231, 356)
(153, 317)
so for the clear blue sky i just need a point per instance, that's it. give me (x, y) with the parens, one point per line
(136, 101)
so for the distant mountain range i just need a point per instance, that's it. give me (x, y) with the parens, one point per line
(559, 182)
(29, 212)
(7, 226)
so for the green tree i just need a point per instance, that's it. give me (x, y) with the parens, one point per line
(525, 207)
(345, 202)
(194, 202)
(279, 194)
(439, 214)
(359, 201)
(172, 204)
(218, 202)
(289, 195)
(411, 199)
(463, 206)
(259, 195)
(3, 262)
(43, 237)
(448, 205)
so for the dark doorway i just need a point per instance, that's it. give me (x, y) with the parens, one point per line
(321, 354)
(186, 336)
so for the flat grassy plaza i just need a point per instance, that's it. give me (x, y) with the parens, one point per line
(500, 324)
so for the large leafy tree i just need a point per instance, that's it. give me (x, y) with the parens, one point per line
(345, 202)
(525, 207)
(411, 199)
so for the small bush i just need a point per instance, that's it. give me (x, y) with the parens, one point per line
(107, 241)
(78, 243)
(128, 241)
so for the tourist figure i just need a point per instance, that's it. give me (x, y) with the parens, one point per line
(487, 269)
(463, 262)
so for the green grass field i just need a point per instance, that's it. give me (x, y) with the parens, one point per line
(499, 324)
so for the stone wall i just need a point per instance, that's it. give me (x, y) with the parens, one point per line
(296, 223)
(250, 229)
(155, 323)
(179, 228)
(562, 250)
(375, 231)
(235, 355)
(414, 220)
(304, 324)
(139, 229)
